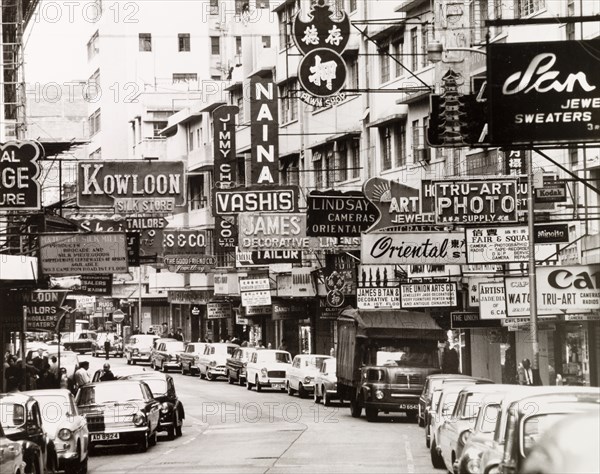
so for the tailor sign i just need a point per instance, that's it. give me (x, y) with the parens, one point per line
(256, 199)
(132, 186)
(543, 93)
(19, 172)
(44, 307)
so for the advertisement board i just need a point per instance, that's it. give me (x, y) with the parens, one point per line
(555, 192)
(378, 276)
(428, 295)
(195, 263)
(19, 173)
(256, 199)
(254, 283)
(303, 282)
(413, 248)
(94, 284)
(44, 307)
(256, 298)
(264, 130)
(336, 213)
(551, 234)
(466, 320)
(261, 258)
(543, 92)
(272, 231)
(492, 303)
(74, 254)
(218, 310)
(182, 242)
(378, 298)
(289, 309)
(476, 201)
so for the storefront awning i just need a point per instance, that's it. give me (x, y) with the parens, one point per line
(390, 319)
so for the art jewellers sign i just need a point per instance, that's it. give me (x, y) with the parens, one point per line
(543, 92)
(476, 201)
(19, 171)
(413, 248)
(131, 186)
(337, 213)
(256, 199)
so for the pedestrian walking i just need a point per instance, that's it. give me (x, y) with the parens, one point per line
(525, 374)
(82, 377)
(107, 347)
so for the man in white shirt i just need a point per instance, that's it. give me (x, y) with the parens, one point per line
(82, 376)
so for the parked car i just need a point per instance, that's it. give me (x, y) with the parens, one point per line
(172, 413)
(326, 383)
(564, 449)
(120, 412)
(525, 426)
(65, 427)
(436, 381)
(116, 345)
(189, 358)
(157, 342)
(139, 348)
(11, 455)
(454, 431)
(492, 456)
(300, 377)
(81, 342)
(268, 368)
(236, 364)
(166, 356)
(22, 422)
(121, 372)
(212, 363)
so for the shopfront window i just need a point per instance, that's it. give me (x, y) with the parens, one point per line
(576, 357)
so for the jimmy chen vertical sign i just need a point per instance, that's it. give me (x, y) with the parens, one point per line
(264, 131)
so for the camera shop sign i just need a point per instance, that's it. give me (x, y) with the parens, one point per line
(476, 201)
(131, 186)
(428, 295)
(19, 170)
(543, 92)
(336, 213)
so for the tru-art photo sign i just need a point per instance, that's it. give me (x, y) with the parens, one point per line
(543, 92)
(19, 172)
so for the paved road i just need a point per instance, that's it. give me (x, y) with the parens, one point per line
(230, 429)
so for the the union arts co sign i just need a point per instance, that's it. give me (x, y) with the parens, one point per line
(544, 92)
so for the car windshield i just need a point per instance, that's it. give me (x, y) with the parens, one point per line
(174, 346)
(282, 357)
(192, 348)
(536, 426)
(471, 406)
(489, 417)
(404, 353)
(447, 403)
(54, 409)
(435, 399)
(315, 361)
(12, 415)
(157, 386)
(142, 341)
(107, 393)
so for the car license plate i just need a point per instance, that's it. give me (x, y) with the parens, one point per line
(408, 406)
(277, 386)
(103, 436)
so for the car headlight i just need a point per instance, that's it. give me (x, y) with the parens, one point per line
(135, 351)
(464, 436)
(378, 394)
(64, 434)
(164, 407)
(212, 363)
(139, 419)
(263, 372)
(474, 465)
(196, 359)
(308, 379)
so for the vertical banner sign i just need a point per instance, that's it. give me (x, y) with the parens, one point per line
(19, 170)
(225, 171)
(264, 131)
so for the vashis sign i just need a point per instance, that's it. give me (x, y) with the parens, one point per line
(131, 186)
(544, 92)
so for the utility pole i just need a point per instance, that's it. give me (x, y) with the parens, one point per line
(532, 270)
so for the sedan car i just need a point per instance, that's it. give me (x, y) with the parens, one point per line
(190, 357)
(120, 412)
(11, 455)
(166, 355)
(236, 364)
(121, 372)
(81, 342)
(268, 368)
(155, 344)
(116, 345)
(66, 429)
(139, 348)
(172, 413)
(326, 383)
(22, 422)
(212, 363)
(300, 377)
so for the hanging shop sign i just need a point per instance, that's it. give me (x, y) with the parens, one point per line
(221, 283)
(74, 254)
(543, 92)
(133, 249)
(336, 213)
(284, 284)
(195, 263)
(264, 131)
(378, 298)
(428, 295)
(272, 231)
(94, 284)
(303, 282)
(399, 205)
(321, 40)
(178, 242)
(224, 151)
(261, 258)
(551, 234)
(19, 173)
(492, 303)
(503, 244)
(254, 283)
(477, 269)
(131, 186)
(256, 298)
(189, 296)
(473, 288)
(225, 234)
(252, 311)
(515, 161)
(256, 199)
(432, 271)
(555, 192)
(218, 310)
(467, 320)
(517, 294)
(289, 309)
(195, 310)
(340, 271)
(413, 248)
(476, 201)
(44, 308)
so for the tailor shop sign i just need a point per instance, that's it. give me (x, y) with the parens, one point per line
(44, 307)
(543, 92)
(131, 186)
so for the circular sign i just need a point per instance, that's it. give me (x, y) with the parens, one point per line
(335, 298)
(335, 281)
(118, 316)
(322, 72)
(195, 310)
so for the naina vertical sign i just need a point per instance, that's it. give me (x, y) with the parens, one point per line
(264, 131)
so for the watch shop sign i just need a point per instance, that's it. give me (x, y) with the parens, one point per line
(543, 92)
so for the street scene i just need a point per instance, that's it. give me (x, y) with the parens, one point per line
(283, 236)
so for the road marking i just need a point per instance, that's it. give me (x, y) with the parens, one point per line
(410, 466)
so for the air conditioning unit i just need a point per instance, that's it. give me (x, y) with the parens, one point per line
(422, 155)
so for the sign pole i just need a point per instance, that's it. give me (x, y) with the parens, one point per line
(140, 297)
(532, 269)
(23, 352)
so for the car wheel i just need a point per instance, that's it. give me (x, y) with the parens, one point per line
(153, 439)
(209, 376)
(143, 446)
(258, 387)
(32, 467)
(133, 362)
(302, 393)
(248, 385)
(83, 466)
(420, 421)
(436, 460)
(128, 361)
(290, 390)
(355, 407)
(229, 378)
(428, 436)
(242, 381)
(326, 399)
(371, 413)
(316, 397)
(179, 428)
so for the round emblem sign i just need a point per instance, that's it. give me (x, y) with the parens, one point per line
(195, 310)
(335, 281)
(118, 316)
(322, 72)
(335, 298)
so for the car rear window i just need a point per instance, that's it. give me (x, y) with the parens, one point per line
(109, 392)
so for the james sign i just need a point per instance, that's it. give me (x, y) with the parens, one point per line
(544, 92)
(19, 170)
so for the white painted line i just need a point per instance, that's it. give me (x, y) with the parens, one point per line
(410, 466)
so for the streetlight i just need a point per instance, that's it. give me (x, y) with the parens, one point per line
(435, 51)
